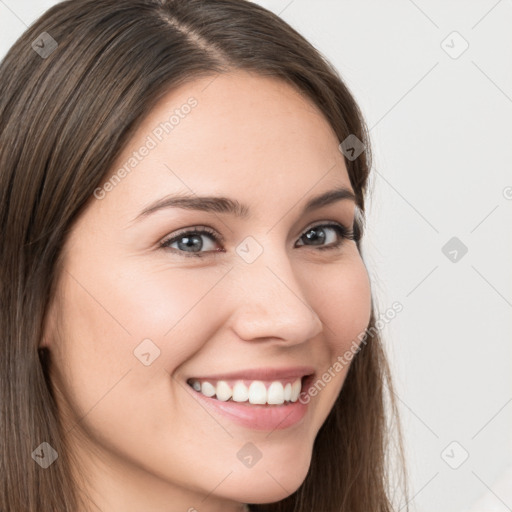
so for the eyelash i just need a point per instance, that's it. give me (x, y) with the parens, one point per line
(343, 232)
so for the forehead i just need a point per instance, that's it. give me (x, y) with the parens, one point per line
(238, 132)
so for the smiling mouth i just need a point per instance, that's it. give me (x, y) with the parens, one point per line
(277, 392)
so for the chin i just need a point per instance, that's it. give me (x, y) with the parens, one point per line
(270, 484)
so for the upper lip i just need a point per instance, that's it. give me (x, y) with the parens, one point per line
(263, 373)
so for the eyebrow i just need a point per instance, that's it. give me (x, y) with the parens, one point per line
(225, 205)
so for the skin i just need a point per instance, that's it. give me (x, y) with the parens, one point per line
(142, 439)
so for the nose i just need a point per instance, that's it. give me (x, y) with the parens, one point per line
(271, 304)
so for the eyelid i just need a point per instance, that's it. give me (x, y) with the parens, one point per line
(184, 231)
(325, 223)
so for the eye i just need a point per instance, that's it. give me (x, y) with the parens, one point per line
(317, 235)
(189, 242)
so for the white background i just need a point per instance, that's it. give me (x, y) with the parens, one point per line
(441, 133)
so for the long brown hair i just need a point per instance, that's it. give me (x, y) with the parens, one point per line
(74, 87)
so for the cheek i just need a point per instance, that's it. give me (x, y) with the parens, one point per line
(355, 302)
(344, 305)
(121, 333)
(343, 302)
(170, 307)
(105, 318)
(118, 313)
(92, 349)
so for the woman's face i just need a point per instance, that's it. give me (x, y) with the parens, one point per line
(139, 330)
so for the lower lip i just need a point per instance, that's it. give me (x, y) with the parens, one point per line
(257, 417)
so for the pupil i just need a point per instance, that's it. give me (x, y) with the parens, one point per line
(191, 242)
(318, 236)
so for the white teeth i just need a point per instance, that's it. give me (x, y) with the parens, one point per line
(257, 393)
(223, 391)
(275, 393)
(240, 392)
(296, 387)
(207, 389)
(288, 392)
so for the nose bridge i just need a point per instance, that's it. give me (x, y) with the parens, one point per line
(272, 304)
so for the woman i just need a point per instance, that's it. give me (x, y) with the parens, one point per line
(187, 319)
